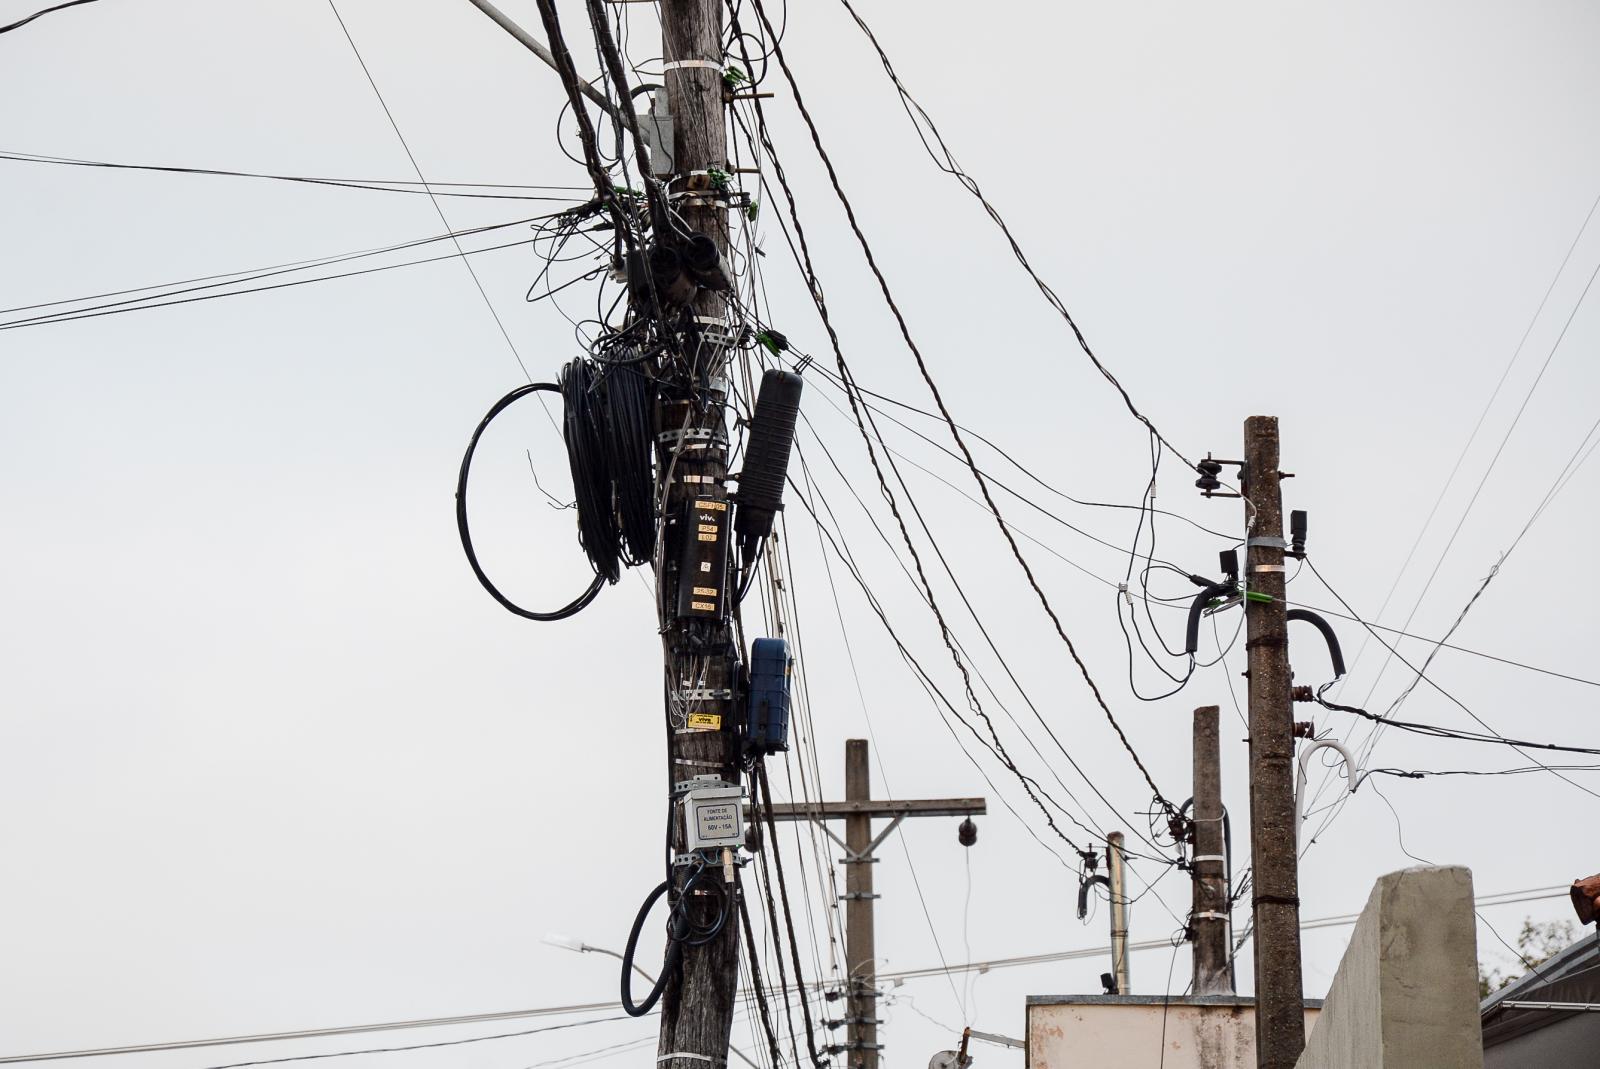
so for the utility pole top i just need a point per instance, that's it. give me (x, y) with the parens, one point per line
(860, 846)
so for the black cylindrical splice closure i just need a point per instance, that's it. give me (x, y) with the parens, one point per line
(766, 455)
(659, 272)
(704, 261)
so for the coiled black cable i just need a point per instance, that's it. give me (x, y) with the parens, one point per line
(591, 482)
(607, 430)
(680, 933)
(626, 395)
(573, 607)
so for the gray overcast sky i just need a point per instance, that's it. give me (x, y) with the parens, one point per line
(271, 759)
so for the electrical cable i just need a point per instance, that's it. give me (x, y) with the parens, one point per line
(755, 976)
(37, 14)
(778, 54)
(230, 278)
(914, 111)
(765, 802)
(573, 607)
(438, 209)
(669, 968)
(375, 185)
(1451, 733)
(591, 477)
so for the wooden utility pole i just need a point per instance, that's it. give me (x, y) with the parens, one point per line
(1209, 913)
(692, 458)
(1117, 886)
(860, 846)
(1280, 1011)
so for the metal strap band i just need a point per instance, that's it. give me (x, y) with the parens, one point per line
(690, 64)
(685, 1054)
(1207, 857)
(1269, 541)
(1276, 900)
(1210, 915)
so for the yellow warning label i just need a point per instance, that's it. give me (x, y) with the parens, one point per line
(716, 506)
(713, 721)
(707, 591)
(708, 528)
(707, 537)
(703, 606)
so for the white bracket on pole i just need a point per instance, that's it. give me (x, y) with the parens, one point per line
(1300, 780)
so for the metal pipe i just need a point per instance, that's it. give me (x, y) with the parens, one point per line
(528, 41)
(1119, 910)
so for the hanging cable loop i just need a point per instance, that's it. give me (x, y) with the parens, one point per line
(572, 608)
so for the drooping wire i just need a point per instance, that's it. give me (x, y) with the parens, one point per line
(39, 14)
(438, 209)
(778, 54)
(946, 162)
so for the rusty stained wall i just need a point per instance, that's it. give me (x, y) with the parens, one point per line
(1104, 1032)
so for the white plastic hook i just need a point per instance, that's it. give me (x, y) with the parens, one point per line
(1300, 780)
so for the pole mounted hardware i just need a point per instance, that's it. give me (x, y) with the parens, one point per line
(1208, 483)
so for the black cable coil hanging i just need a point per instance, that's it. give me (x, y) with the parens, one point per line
(591, 484)
(464, 529)
(627, 401)
(607, 429)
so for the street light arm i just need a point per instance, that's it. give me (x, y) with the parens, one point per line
(528, 41)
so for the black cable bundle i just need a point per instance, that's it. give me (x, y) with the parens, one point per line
(591, 482)
(607, 428)
(627, 396)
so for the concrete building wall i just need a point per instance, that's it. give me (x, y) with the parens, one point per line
(1406, 993)
(1104, 1031)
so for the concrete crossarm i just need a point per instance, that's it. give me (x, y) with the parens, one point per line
(927, 807)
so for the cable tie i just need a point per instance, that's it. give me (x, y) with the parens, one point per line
(690, 64)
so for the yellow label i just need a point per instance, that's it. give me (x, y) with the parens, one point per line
(708, 528)
(712, 721)
(703, 606)
(707, 537)
(707, 591)
(715, 506)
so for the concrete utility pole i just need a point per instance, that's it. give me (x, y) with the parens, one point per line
(857, 811)
(1280, 1012)
(1117, 886)
(1210, 904)
(691, 568)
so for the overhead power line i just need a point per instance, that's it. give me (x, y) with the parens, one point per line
(329, 1033)
(1448, 646)
(381, 185)
(58, 7)
(1503, 899)
(960, 441)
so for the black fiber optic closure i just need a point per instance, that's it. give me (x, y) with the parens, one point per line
(1191, 637)
(766, 456)
(1334, 653)
(571, 608)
